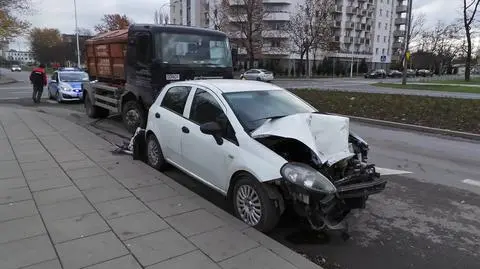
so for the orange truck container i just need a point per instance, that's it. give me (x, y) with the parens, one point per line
(106, 52)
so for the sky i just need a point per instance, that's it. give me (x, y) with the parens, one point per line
(60, 14)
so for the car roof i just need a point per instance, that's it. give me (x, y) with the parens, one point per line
(231, 85)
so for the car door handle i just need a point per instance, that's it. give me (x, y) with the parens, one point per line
(157, 115)
(185, 130)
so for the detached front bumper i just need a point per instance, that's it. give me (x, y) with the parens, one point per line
(328, 211)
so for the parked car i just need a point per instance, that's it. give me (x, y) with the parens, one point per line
(395, 74)
(379, 73)
(411, 73)
(424, 73)
(16, 68)
(264, 148)
(258, 74)
(66, 85)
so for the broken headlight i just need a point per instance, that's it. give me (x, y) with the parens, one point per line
(305, 176)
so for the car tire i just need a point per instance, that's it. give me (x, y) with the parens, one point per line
(93, 111)
(258, 79)
(269, 215)
(57, 97)
(155, 156)
(133, 116)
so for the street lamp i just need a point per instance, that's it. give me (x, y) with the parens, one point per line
(353, 47)
(76, 31)
(407, 40)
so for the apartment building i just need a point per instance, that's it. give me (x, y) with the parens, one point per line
(364, 29)
(23, 57)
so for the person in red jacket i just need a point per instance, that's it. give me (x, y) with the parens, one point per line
(38, 78)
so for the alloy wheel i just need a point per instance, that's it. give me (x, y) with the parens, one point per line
(248, 205)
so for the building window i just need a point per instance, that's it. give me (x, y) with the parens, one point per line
(381, 11)
(376, 51)
(384, 39)
(386, 13)
(386, 26)
(378, 38)
(379, 24)
(383, 51)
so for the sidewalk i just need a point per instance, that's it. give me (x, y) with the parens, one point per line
(67, 202)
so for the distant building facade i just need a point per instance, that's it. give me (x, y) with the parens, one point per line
(23, 57)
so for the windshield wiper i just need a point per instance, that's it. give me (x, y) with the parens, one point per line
(270, 117)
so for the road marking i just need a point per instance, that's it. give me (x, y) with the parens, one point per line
(471, 182)
(10, 98)
(389, 172)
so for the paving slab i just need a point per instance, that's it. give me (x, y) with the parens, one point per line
(9, 169)
(121, 207)
(125, 262)
(256, 258)
(86, 172)
(96, 182)
(49, 164)
(155, 192)
(17, 229)
(48, 173)
(52, 264)
(26, 252)
(50, 183)
(223, 243)
(195, 259)
(105, 194)
(76, 227)
(66, 209)
(53, 196)
(173, 206)
(156, 247)
(90, 250)
(195, 222)
(73, 165)
(17, 210)
(12, 183)
(12, 195)
(138, 182)
(134, 225)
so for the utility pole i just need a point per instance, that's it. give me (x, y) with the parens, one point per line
(76, 30)
(407, 40)
(353, 47)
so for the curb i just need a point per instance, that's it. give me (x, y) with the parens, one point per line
(413, 127)
(8, 82)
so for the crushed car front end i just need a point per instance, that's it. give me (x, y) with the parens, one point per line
(326, 174)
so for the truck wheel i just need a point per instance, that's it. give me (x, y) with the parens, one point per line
(253, 206)
(134, 116)
(94, 111)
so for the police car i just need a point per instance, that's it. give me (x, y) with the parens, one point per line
(66, 84)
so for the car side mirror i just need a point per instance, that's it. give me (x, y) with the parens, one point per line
(214, 129)
(53, 80)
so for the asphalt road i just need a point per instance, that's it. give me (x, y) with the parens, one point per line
(428, 217)
(23, 88)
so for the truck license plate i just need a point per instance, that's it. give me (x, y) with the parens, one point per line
(172, 76)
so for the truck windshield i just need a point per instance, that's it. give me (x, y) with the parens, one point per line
(192, 49)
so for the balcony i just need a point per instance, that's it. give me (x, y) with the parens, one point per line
(397, 45)
(337, 24)
(275, 51)
(401, 9)
(277, 16)
(359, 27)
(349, 25)
(338, 9)
(285, 2)
(348, 40)
(274, 34)
(398, 33)
(350, 10)
(400, 21)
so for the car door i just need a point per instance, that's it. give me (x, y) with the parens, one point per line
(53, 84)
(202, 155)
(167, 118)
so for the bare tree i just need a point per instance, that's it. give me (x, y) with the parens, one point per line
(218, 15)
(417, 28)
(160, 17)
(469, 11)
(310, 27)
(247, 23)
(85, 32)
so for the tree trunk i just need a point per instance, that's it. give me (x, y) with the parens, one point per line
(469, 56)
(308, 62)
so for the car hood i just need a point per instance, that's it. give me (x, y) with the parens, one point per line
(73, 85)
(325, 135)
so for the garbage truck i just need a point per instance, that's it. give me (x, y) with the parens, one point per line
(128, 68)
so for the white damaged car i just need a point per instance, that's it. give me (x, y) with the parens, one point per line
(264, 148)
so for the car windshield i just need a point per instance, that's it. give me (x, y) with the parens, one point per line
(73, 76)
(193, 49)
(253, 108)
